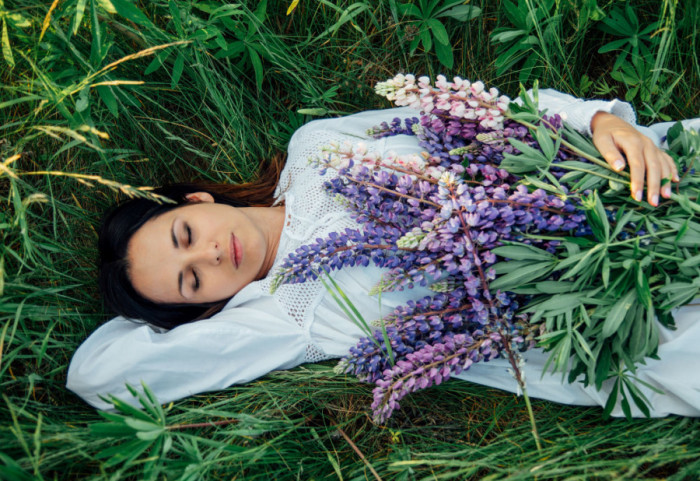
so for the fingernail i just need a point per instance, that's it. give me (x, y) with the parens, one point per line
(655, 200)
(667, 191)
(619, 164)
(638, 196)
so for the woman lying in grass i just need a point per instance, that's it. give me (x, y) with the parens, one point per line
(212, 256)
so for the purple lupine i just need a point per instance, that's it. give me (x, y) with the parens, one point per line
(433, 219)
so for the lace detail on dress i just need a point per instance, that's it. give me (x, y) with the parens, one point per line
(310, 214)
(314, 354)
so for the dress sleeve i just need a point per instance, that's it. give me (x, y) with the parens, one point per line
(234, 346)
(578, 113)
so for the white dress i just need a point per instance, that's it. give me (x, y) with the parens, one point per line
(258, 332)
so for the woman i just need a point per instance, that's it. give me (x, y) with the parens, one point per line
(176, 264)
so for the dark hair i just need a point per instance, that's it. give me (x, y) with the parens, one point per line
(123, 220)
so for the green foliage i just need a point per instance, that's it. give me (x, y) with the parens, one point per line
(548, 40)
(429, 30)
(646, 258)
(115, 94)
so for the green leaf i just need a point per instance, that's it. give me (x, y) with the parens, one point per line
(105, 93)
(140, 425)
(554, 287)
(410, 10)
(582, 259)
(439, 32)
(426, 38)
(618, 312)
(110, 429)
(178, 67)
(535, 182)
(545, 142)
(605, 272)
(175, 15)
(642, 286)
(621, 223)
(157, 61)
(79, 14)
(314, 111)
(638, 397)
(463, 13)
(509, 266)
(96, 46)
(150, 435)
(107, 6)
(444, 54)
(6, 49)
(123, 453)
(612, 399)
(257, 67)
(19, 100)
(625, 405)
(507, 35)
(693, 261)
(602, 367)
(523, 252)
(126, 9)
(521, 276)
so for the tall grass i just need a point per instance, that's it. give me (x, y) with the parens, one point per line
(213, 107)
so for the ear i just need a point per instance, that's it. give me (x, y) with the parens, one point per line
(200, 197)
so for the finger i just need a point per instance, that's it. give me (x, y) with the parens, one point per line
(672, 165)
(654, 171)
(666, 173)
(607, 148)
(635, 159)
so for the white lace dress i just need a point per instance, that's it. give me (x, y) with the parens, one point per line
(258, 332)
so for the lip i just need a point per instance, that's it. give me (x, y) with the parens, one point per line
(235, 251)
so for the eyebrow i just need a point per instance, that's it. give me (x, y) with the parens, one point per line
(177, 245)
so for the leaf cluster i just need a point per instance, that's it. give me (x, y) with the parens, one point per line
(596, 298)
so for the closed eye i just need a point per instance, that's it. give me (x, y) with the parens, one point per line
(195, 286)
(188, 231)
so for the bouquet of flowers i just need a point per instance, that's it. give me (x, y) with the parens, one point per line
(523, 233)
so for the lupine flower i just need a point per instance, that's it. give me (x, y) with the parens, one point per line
(433, 219)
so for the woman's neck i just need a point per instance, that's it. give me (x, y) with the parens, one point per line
(271, 222)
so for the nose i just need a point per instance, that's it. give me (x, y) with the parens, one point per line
(206, 253)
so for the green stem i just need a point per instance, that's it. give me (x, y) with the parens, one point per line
(580, 169)
(646, 236)
(535, 433)
(627, 241)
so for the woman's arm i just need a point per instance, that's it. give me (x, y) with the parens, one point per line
(235, 346)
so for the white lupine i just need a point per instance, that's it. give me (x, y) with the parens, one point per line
(411, 240)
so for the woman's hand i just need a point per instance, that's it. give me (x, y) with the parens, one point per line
(617, 140)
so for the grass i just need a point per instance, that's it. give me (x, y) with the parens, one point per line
(200, 110)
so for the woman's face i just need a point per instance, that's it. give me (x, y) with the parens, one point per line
(197, 253)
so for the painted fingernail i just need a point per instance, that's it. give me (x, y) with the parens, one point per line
(638, 196)
(667, 191)
(655, 200)
(619, 164)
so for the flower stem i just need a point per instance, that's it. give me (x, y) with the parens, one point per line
(535, 433)
(513, 358)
